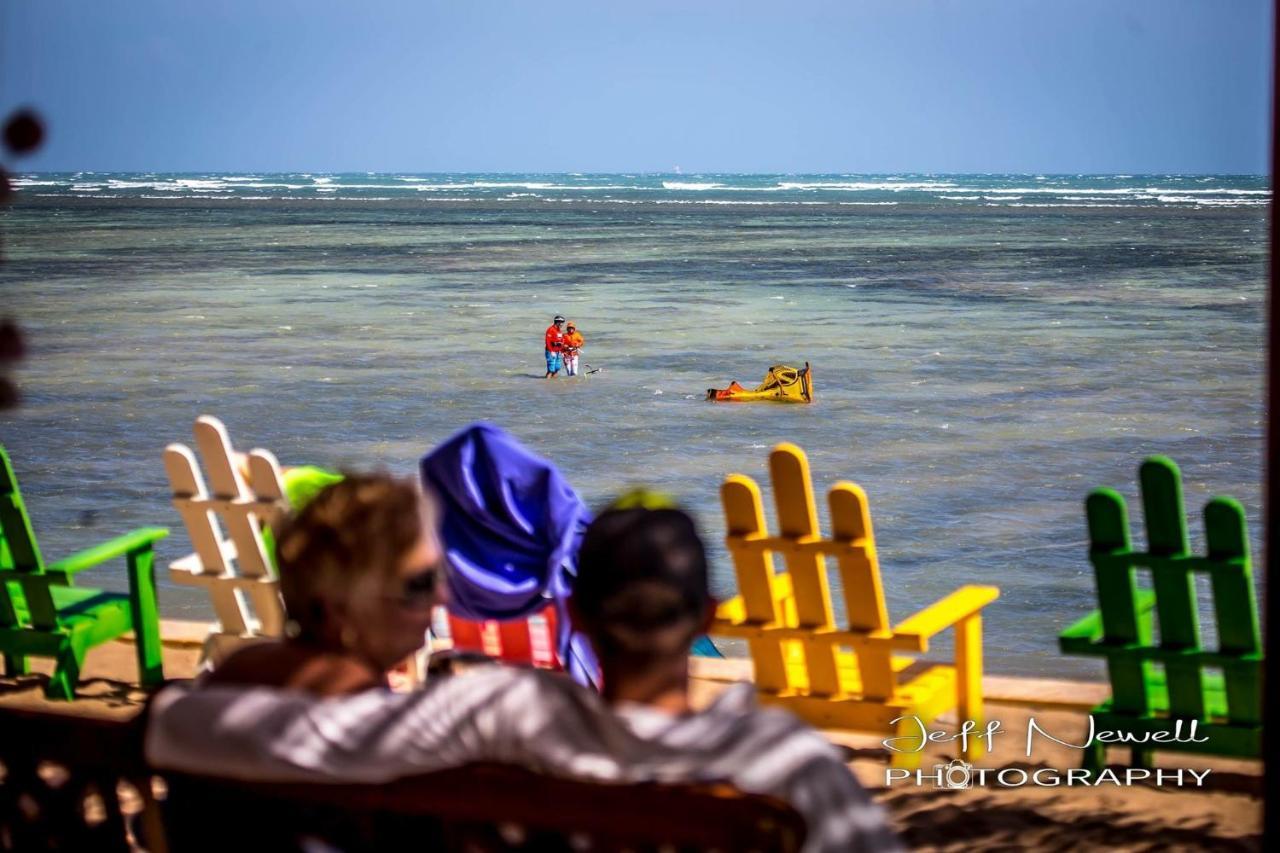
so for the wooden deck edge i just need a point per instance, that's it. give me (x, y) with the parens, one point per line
(999, 689)
(1027, 692)
(179, 633)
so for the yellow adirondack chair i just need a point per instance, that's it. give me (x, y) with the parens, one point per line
(835, 677)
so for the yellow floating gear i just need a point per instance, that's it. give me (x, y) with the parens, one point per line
(783, 383)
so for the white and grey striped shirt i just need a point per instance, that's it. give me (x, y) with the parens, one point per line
(536, 719)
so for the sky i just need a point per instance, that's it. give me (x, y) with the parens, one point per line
(789, 86)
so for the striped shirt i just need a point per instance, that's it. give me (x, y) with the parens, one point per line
(540, 720)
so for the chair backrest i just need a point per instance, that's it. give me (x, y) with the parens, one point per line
(531, 640)
(21, 602)
(18, 547)
(801, 598)
(1126, 609)
(486, 807)
(479, 807)
(243, 508)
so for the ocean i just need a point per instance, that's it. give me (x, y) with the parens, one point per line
(985, 348)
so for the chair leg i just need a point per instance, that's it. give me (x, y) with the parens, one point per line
(1141, 757)
(1095, 758)
(146, 617)
(906, 760)
(15, 665)
(969, 681)
(66, 672)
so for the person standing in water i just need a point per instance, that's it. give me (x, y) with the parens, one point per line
(554, 346)
(572, 344)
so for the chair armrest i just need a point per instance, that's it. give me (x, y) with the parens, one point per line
(913, 633)
(1086, 634)
(732, 610)
(1082, 634)
(143, 537)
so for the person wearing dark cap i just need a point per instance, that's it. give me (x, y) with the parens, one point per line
(641, 596)
(554, 339)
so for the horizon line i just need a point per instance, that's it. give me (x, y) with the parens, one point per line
(686, 174)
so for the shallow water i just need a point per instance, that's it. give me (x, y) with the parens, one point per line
(979, 365)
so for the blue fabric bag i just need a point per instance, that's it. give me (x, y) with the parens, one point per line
(512, 527)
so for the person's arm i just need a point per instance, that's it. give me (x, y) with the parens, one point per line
(287, 736)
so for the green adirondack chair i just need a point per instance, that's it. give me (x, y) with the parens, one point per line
(1158, 686)
(43, 615)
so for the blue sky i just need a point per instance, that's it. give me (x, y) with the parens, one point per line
(871, 86)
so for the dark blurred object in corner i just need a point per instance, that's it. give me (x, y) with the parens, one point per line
(10, 341)
(23, 132)
(11, 349)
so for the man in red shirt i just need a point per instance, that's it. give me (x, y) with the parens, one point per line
(555, 346)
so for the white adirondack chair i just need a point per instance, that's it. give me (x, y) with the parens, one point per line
(234, 569)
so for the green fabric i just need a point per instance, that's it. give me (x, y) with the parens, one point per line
(301, 485)
(645, 499)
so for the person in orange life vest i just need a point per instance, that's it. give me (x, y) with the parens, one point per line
(572, 344)
(554, 346)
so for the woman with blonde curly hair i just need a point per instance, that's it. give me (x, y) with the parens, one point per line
(361, 568)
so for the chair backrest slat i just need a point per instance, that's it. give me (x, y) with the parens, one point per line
(860, 579)
(744, 518)
(1173, 582)
(798, 521)
(21, 603)
(15, 525)
(859, 565)
(1110, 551)
(191, 500)
(227, 485)
(1235, 606)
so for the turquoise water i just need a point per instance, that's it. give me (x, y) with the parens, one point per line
(986, 349)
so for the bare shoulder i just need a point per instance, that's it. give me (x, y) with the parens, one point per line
(286, 665)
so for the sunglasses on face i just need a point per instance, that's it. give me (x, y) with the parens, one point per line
(421, 588)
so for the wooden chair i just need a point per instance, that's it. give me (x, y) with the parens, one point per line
(238, 569)
(75, 783)
(1158, 688)
(840, 677)
(235, 569)
(43, 614)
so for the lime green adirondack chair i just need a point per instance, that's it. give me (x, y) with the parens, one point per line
(1156, 687)
(43, 615)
